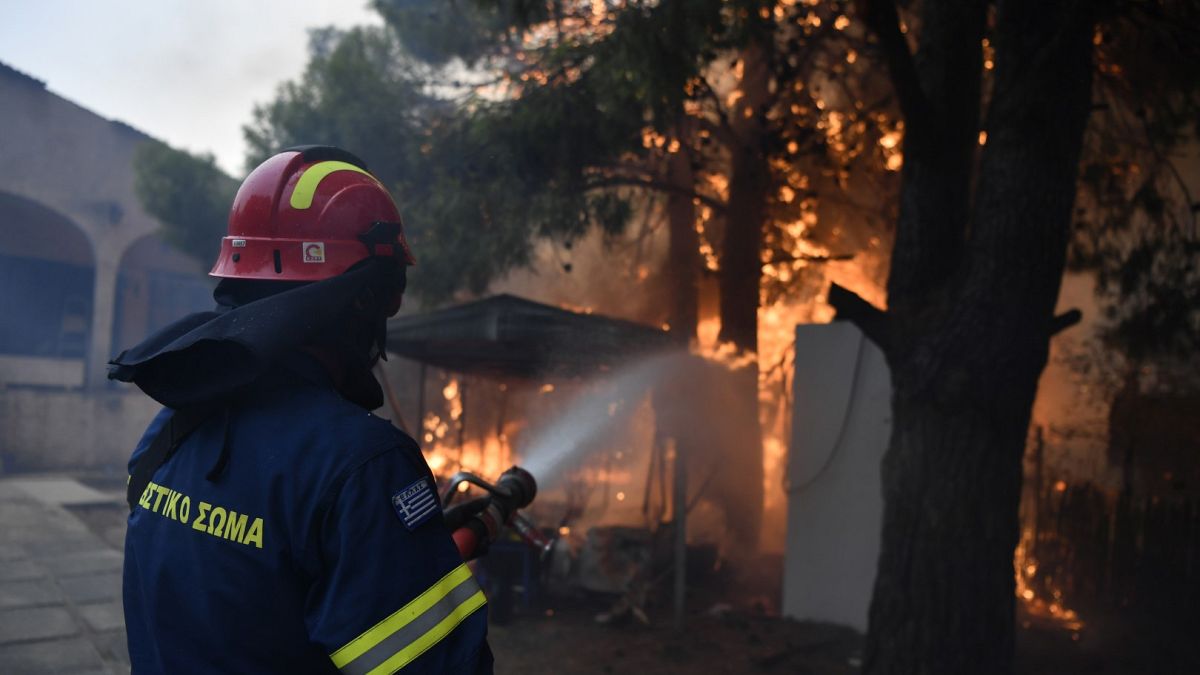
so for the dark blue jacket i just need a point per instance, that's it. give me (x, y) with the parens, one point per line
(313, 548)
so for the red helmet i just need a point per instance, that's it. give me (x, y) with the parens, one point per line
(306, 214)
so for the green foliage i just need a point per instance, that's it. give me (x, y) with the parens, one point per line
(437, 31)
(1137, 221)
(357, 92)
(475, 182)
(584, 93)
(571, 115)
(500, 176)
(551, 137)
(188, 195)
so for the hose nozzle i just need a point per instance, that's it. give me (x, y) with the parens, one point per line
(518, 487)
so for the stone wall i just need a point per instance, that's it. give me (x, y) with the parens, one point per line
(40, 371)
(47, 430)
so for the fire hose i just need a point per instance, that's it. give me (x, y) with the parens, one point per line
(475, 524)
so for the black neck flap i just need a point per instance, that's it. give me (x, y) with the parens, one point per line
(209, 356)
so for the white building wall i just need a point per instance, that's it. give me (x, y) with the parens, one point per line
(840, 428)
(62, 413)
(78, 164)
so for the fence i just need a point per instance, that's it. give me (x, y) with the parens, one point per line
(1127, 552)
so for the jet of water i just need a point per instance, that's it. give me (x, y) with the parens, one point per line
(562, 444)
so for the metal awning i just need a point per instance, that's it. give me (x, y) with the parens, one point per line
(509, 337)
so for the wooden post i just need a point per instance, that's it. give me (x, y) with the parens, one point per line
(1038, 463)
(679, 511)
(462, 421)
(501, 443)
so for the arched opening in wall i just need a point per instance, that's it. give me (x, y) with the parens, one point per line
(156, 285)
(47, 275)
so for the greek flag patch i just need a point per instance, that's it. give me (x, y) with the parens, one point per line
(415, 504)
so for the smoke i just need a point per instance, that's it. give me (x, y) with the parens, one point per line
(617, 277)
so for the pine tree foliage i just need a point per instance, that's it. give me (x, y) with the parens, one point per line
(627, 85)
(188, 195)
(1136, 225)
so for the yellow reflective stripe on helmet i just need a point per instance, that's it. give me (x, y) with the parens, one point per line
(398, 639)
(306, 187)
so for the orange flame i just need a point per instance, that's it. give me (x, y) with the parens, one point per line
(1052, 608)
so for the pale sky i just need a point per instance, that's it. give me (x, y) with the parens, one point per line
(188, 72)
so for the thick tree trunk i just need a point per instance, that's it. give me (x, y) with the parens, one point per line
(683, 247)
(740, 274)
(943, 600)
(969, 335)
(741, 255)
(749, 185)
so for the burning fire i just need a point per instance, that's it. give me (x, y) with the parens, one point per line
(848, 133)
(1049, 608)
(447, 453)
(776, 355)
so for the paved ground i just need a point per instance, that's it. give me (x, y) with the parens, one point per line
(60, 580)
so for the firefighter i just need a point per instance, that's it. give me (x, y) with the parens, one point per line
(276, 525)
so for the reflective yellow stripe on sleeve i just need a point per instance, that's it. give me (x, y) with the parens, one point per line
(396, 641)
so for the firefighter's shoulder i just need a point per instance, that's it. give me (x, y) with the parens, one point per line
(329, 433)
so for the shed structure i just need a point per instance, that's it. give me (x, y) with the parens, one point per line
(507, 337)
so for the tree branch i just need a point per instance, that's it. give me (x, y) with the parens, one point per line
(779, 260)
(1064, 321)
(1164, 159)
(883, 19)
(872, 321)
(730, 134)
(721, 132)
(651, 183)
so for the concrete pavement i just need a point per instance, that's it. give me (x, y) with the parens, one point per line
(60, 580)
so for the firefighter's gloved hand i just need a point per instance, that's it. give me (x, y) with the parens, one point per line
(457, 516)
